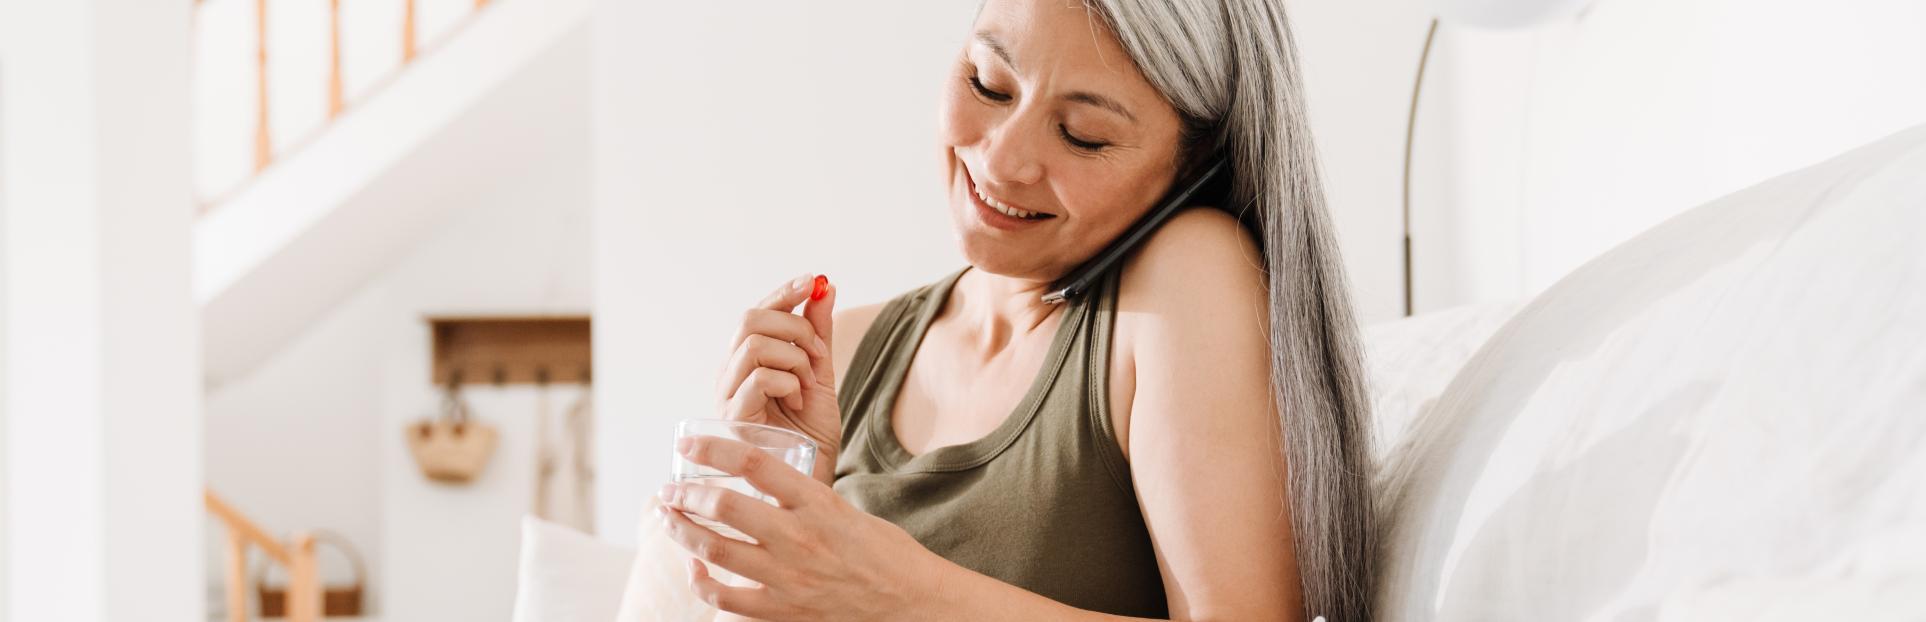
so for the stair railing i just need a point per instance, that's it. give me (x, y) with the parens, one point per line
(265, 153)
(297, 555)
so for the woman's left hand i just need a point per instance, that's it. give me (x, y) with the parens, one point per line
(816, 556)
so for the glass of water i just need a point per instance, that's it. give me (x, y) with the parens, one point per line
(788, 447)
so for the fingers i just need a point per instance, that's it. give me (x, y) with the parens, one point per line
(762, 385)
(740, 557)
(748, 601)
(761, 521)
(790, 487)
(792, 293)
(780, 325)
(772, 318)
(762, 351)
(821, 313)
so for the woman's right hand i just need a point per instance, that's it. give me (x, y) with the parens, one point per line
(780, 372)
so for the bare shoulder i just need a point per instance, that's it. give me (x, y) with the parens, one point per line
(851, 325)
(1196, 273)
(1200, 434)
(1192, 315)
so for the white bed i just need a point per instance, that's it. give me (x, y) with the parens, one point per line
(1722, 419)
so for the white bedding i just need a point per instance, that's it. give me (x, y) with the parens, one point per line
(1724, 418)
(1410, 361)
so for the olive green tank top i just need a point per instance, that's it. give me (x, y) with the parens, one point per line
(1044, 502)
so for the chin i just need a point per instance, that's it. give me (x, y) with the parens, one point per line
(994, 254)
(1002, 264)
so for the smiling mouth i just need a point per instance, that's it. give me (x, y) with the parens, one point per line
(1001, 207)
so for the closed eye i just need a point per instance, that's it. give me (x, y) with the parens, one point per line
(1086, 145)
(977, 85)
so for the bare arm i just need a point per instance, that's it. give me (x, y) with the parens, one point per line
(1202, 432)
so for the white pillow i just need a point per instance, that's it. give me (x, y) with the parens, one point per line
(567, 576)
(1411, 360)
(1723, 418)
(658, 586)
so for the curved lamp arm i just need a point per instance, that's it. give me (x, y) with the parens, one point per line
(1477, 14)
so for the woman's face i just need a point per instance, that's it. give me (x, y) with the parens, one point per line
(1046, 116)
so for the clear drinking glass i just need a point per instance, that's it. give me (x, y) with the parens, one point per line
(792, 448)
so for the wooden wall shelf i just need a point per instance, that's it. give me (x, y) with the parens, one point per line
(511, 350)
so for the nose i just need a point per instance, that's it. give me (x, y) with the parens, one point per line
(1010, 153)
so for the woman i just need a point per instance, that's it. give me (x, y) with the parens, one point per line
(1184, 441)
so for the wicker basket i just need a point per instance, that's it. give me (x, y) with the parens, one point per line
(453, 447)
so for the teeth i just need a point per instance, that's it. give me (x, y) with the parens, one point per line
(1003, 209)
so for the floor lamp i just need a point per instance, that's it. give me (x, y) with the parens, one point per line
(1489, 14)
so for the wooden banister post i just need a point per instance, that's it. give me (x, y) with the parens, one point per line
(408, 32)
(263, 146)
(236, 571)
(304, 581)
(336, 100)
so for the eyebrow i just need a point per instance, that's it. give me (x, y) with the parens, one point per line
(1086, 97)
(1082, 97)
(989, 41)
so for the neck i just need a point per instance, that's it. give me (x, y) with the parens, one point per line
(997, 310)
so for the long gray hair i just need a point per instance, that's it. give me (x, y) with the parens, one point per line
(1230, 68)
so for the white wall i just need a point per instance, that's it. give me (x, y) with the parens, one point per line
(313, 437)
(1564, 140)
(449, 553)
(102, 402)
(5, 374)
(1359, 59)
(738, 145)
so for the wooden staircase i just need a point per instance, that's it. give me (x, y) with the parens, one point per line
(296, 555)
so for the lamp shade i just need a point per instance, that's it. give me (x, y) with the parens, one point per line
(1504, 13)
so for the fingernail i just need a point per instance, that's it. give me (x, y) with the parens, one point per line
(667, 494)
(683, 444)
(821, 348)
(799, 283)
(821, 288)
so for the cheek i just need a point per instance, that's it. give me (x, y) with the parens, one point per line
(1104, 201)
(963, 118)
(1093, 191)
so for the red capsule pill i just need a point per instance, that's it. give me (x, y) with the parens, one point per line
(820, 289)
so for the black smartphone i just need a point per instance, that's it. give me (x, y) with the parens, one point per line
(1079, 280)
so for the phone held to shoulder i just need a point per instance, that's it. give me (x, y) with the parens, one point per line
(1080, 279)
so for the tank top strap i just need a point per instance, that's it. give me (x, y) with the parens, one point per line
(898, 318)
(1099, 430)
